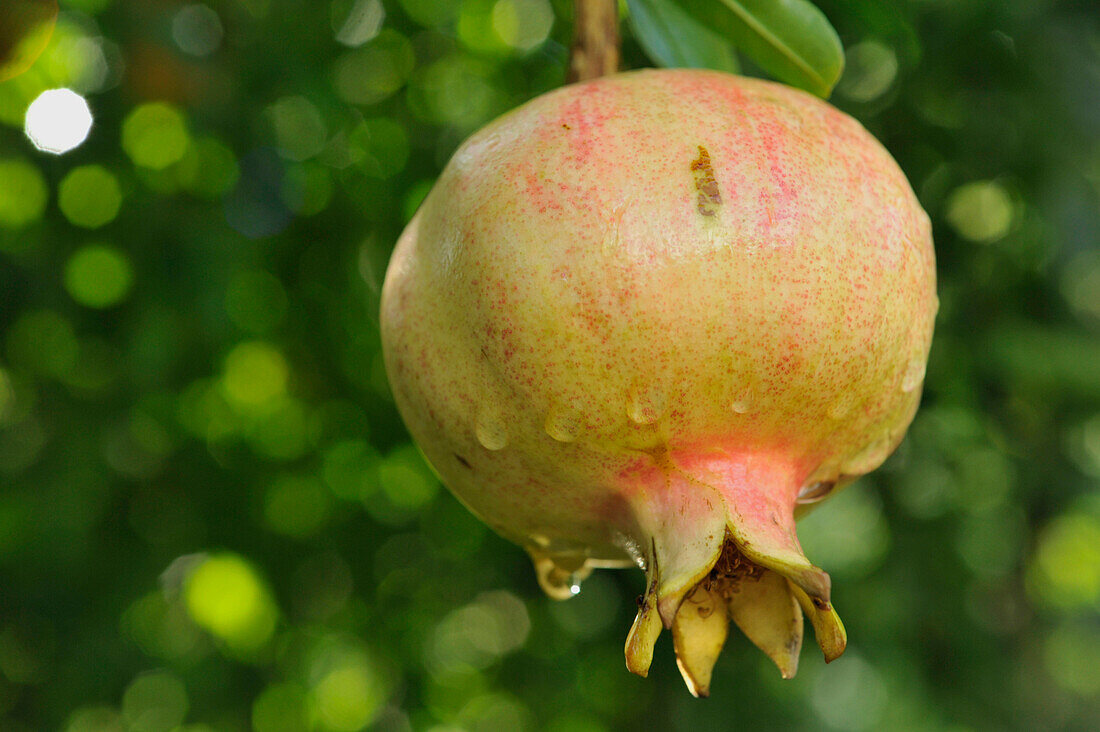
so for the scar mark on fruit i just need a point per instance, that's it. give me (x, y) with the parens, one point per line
(464, 461)
(709, 198)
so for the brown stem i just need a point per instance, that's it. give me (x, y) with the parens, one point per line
(595, 49)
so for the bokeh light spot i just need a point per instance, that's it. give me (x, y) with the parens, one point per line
(226, 596)
(208, 169)
(205, 412)
(297, 505)
(495, 711)
(307, 189)
(349, 469)
(870, 68)
(58, 120)
(455, 90)
(430, 13)
(475, 27)
(851, 696)
(380, 147)
(255, 374)
(78, 61)
(349, 695)
(155, 135)
(1065, 569)
(281, 708)
(28, 25)
(98, 276)
(1070, 655)
(197, 30)
(981, 211)
(23, 194)
(160, 628)
(852, 537)
(523, 24)
(300, 131)
(370, 74)
(89, 196)
(406, 479)
(357, 21)
(154, 702)
(478, 634)
(95, 719)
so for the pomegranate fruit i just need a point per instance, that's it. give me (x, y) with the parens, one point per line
(649, 318)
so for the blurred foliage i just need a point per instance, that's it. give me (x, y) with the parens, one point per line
(210, 514)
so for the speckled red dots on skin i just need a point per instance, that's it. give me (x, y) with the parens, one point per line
(648, 311)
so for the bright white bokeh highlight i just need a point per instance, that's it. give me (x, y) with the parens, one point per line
(58, 121)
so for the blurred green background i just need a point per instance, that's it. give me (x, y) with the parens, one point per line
(211, 517)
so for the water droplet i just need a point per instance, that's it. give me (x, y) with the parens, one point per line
(743, 403)
(612, 240)
(562, 425)
(814, 492)
(648, 405)
(914, 375)
(490, 430)
(560, 576)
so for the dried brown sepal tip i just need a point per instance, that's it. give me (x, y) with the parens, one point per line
(767, 607)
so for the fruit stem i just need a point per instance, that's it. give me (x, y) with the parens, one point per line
(595, 50)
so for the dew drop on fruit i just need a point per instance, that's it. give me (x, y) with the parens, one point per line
(914, 375)
(562, 425)
(560, 575)
(647, 405)
(743, 403)
(490, 431)
(560, 586)
(815, 492)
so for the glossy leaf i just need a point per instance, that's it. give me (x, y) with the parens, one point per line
(672, 38)
(790, 39)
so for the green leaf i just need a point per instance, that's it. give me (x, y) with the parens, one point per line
(790, 39)
(674, 39)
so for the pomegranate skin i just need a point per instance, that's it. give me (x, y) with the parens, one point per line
(640, 320)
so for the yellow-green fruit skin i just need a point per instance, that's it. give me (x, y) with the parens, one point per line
(638, 310)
